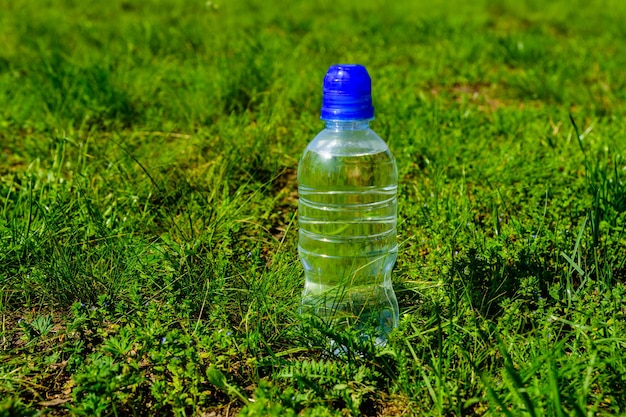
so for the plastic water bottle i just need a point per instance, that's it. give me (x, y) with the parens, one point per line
(347, 212)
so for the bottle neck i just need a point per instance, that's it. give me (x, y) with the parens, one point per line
(347, 125)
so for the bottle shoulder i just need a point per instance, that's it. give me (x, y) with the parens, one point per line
(347, 160)
(347, 143)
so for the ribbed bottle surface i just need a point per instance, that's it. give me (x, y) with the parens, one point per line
(347, 185)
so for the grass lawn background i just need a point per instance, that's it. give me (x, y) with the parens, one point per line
(148, 228)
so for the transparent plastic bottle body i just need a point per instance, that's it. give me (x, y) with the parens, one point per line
(347, 210)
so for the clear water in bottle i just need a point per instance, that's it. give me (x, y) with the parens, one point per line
(347, 185)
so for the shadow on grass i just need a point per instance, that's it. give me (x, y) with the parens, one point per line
(486, 279)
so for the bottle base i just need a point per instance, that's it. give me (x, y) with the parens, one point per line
(370, 310)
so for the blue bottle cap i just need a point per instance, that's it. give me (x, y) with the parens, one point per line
(347, 93)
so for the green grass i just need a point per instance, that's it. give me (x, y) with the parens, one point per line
(148, 228)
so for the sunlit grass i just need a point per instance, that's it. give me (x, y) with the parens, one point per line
(148, 260)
